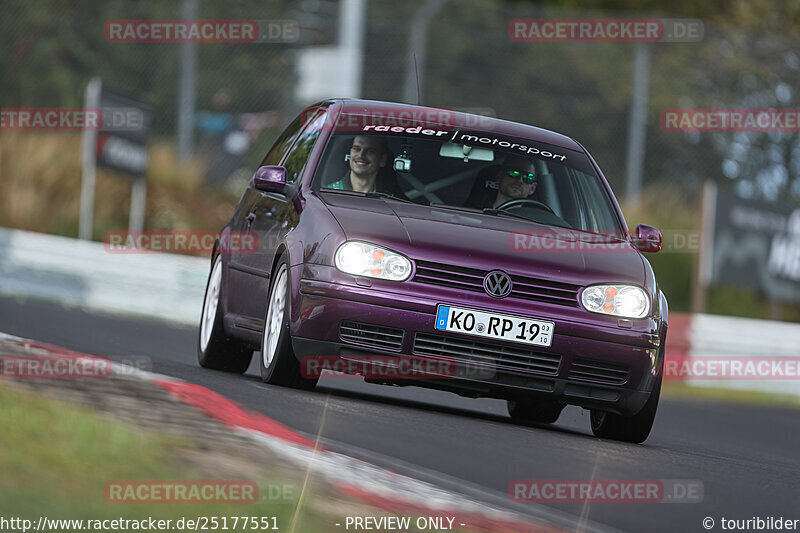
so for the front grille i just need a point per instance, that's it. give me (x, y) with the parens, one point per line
(599, 371)
(471, 279)
(371, 335)
(496, 355)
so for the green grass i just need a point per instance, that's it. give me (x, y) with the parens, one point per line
(55, 455)
(56, 459)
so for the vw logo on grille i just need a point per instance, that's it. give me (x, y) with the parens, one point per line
(497, 284)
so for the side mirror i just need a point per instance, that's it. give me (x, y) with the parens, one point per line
(269, 179)
(648, 239)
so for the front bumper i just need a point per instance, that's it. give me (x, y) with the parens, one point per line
(608, 368)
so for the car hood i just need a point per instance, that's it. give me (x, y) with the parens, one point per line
(486, 242)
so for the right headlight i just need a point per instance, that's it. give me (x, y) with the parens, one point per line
(365, 259)
(626, 301)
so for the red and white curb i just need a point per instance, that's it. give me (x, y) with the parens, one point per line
(355, 478)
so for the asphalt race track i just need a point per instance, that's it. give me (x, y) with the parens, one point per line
(747, 458)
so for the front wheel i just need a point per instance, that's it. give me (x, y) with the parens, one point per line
(634, 428)
(278, 363)
(215, 349)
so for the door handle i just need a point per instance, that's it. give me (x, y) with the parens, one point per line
(251, 217)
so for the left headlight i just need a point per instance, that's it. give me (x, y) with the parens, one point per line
(365, 259)
(627, 301)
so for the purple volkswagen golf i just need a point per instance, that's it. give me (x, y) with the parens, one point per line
(420, 246)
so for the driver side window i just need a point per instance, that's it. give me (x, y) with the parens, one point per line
(281, 146)
(301, 150)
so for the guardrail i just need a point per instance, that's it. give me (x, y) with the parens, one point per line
(82, 273)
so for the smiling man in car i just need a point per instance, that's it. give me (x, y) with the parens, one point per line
(368, 158)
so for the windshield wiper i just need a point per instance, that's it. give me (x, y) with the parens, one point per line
(499, 212)
(485, 211)
(456, 207)
(372, 194)
(376, 194)
(606, 237)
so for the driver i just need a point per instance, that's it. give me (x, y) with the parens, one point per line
(516, 180)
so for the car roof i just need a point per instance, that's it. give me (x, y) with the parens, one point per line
(464, 120)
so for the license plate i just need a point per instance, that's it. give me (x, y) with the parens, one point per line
(494, 325)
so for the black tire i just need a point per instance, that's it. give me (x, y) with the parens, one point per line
(219, 351)
(282, 367)
(534, 412)
(634, 428)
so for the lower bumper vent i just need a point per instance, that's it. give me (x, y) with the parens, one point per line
(371, 335)
(497, 355)
(599, 371)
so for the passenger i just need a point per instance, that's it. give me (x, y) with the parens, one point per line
(369, 157)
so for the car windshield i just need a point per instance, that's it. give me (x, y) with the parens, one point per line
(476, 171)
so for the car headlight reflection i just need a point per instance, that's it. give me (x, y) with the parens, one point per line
(626, 301)
(364, 259)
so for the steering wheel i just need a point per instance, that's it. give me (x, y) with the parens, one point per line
(526, 202)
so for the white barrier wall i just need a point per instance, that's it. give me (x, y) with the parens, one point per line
(725, 338)
(82, 273)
